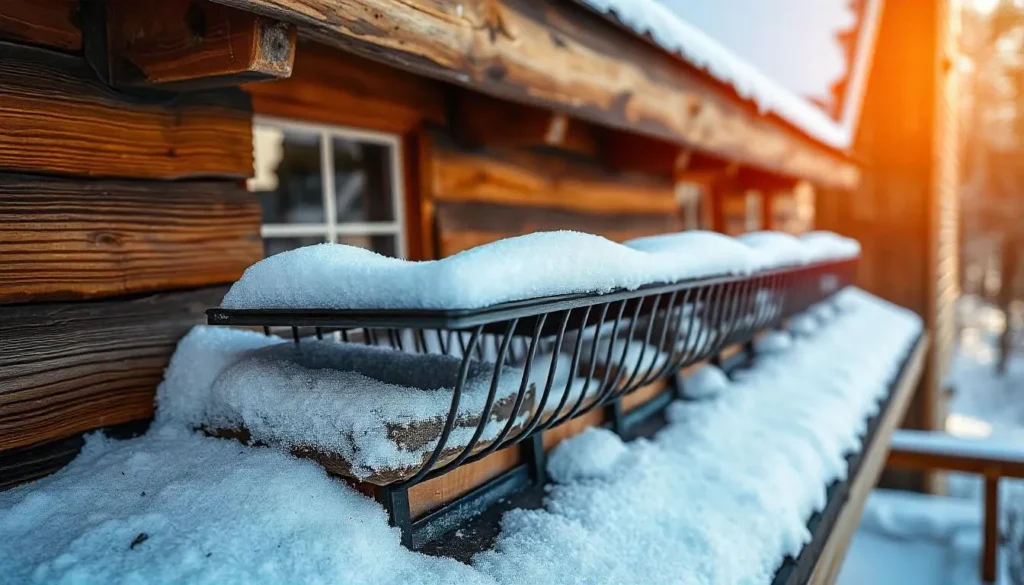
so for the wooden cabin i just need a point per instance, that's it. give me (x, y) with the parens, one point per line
(151, 152)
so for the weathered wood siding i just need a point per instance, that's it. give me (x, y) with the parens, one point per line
(64, 239)
(482, 196)
(59, 119)
(71, 367)
(47, 23)
(131, 206)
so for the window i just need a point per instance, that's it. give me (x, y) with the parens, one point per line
(321, 183)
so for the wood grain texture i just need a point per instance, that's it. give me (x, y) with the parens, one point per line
(481, 120)
(66, 368)
(191, 44)
(64, 239)
(334, 87)
(432, 494)
(57, 118)
(559, 56)
(25, 464)
(49, 23)
(463, 225)
(522, 178)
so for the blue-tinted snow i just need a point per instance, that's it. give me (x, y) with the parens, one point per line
(718, 496)
(336, 276)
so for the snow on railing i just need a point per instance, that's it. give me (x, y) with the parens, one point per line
(447, 377)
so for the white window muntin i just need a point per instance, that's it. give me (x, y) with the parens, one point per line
(331, 229)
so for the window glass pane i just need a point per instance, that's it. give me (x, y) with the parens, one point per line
(288, 175)
(275, 245)
(383, 244)
(362, 181)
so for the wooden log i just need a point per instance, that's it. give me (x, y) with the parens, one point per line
(482, 120)
(66, 368)
(464, 225)
(64, 239)
(192, 44)
(559, 56)
(25, 464)
(623, 151)
(334, 87)
(48, 23)
(545, 180)
(57, 118)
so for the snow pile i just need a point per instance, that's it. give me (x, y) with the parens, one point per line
(829, 246)
(805, 324)
(776, 249)
(591, 456)
(725, 491)
(337, 276)
(377, 408)
(699, 253)
(704, 383)
(676, 25)
(773, 342)
(176, 507)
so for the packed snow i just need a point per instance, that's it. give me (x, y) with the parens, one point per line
(338, 276)
(777, 249)
(701, 502)
(773, 342)
(705, 382)
(822, 245)
(176, 507)
(339, 398)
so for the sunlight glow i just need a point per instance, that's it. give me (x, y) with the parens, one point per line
(967, 426)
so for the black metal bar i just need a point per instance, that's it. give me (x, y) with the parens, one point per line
(464, 319)
(697, 318)
(396, 503)
(532, 451)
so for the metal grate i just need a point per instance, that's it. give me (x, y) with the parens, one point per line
(568, 355)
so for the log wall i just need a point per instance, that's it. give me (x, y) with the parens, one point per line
(122, 217)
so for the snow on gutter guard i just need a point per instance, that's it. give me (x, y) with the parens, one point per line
(337, 276)
(669, 30)
(719, 496)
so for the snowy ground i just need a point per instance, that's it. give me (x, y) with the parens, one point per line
(906, 538)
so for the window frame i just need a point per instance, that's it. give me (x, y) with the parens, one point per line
(331, 228)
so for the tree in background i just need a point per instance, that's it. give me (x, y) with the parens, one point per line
(992, 95)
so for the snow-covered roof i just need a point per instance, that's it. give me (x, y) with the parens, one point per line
(805, 61)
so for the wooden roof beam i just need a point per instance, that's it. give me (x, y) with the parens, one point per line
(184, 44)
(481, 120)
(559, 56)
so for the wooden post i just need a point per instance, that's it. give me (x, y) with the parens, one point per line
(991, 546)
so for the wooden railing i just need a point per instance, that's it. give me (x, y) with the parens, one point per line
(926, 451)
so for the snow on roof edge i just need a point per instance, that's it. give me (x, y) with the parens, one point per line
(650, 19)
